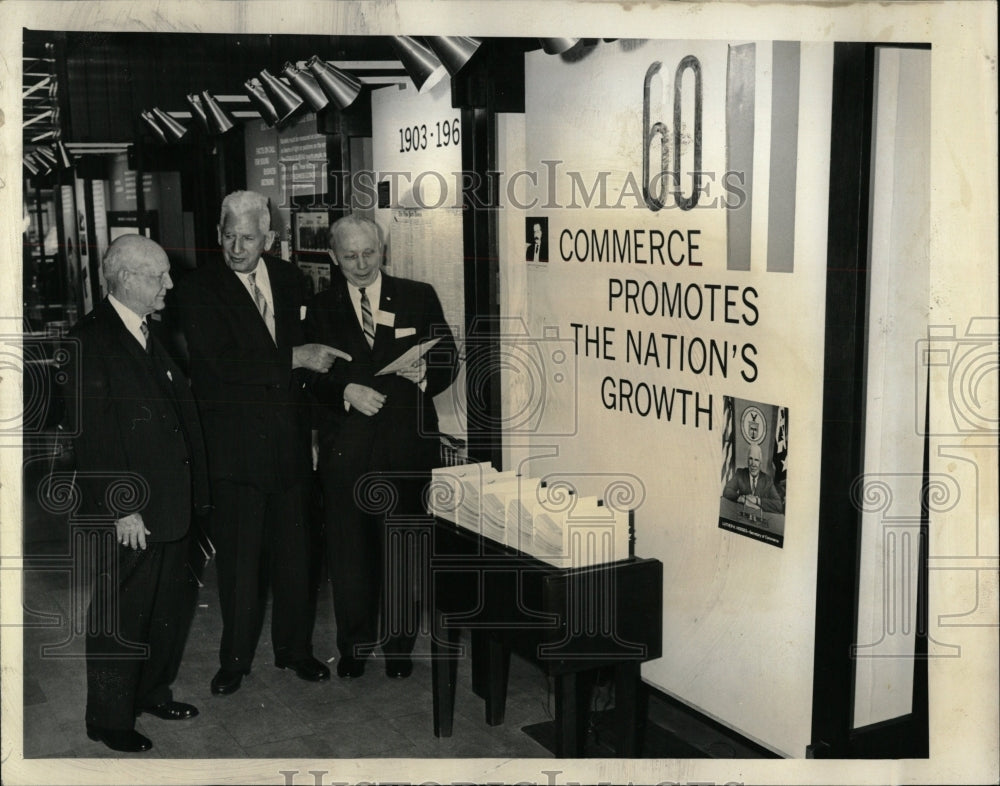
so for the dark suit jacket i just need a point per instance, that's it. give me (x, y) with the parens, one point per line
(252, 406)
(770, 499)
(132, 427)
(543, 252)
(403, 435)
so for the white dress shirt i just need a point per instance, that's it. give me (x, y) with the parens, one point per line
(133, 322)
(263, 282)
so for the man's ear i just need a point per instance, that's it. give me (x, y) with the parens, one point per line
(333, 256)
(269, 240)
(218, 233)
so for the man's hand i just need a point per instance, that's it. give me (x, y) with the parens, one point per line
(316, 357)
(366, 400)
(416, 373)
(131, 532)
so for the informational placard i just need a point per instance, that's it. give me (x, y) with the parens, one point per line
(287, 165)
(100, 229)
(417, 157)
(123, 186)
(672, 317)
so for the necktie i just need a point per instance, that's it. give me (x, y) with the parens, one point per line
(367, 323)
(753, 485)
(144, 328)
(261, 301)
(537, 249)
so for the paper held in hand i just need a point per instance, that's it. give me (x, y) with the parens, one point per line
(408, 359)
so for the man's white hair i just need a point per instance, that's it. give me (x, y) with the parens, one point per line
(242, 202)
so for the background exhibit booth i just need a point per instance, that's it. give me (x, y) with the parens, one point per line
(662, 258)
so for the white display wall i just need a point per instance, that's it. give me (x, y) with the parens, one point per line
(664, 313)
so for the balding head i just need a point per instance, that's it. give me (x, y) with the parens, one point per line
(137, 272)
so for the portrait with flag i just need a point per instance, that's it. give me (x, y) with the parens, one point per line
(753, 469)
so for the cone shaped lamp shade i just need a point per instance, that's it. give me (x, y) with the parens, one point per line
(556, 46)
(342, 88)
(29, 164)
(306, 86)
(284, 100)
(40, 162)
(194, 101)
(218, 121)
(173, 130)
(420, 62)
(62, 155)
(45, 154)
(153, 126)
(453, 51)
(261, 102)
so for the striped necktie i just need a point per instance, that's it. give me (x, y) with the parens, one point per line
(367, 323)
(261, 301)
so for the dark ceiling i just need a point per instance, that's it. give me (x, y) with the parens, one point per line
(106, 79)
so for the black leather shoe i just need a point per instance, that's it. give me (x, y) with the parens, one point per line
(399, 668)
(308, 669)
(129, 741)
(350, 668)
(225, 682)
(171, 710)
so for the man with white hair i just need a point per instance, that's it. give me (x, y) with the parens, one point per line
(140, 466)
(753, 487)
(241, 315)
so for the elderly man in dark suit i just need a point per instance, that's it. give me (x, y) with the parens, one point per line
(140, 465)
(375, 426)
(241, 316)
(753, 487)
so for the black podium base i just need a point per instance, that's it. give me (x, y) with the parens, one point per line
(657, 743)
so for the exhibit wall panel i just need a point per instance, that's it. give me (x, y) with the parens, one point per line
(417, 163)
(664, 307)
(890, 493)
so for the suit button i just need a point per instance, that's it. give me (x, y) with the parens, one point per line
(177, 428)
(187, 461)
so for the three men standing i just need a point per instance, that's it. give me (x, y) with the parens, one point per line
(241, 316)
(250, 363)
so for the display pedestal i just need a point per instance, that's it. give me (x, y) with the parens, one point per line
(571, 623)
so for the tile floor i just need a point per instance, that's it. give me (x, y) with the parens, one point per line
(274, 714)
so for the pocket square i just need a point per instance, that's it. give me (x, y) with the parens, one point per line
(404, 332)
(302, 312)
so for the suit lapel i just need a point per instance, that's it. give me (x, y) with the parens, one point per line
(278, 293)
(142, 369)
(125, 339)
(386, 305)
